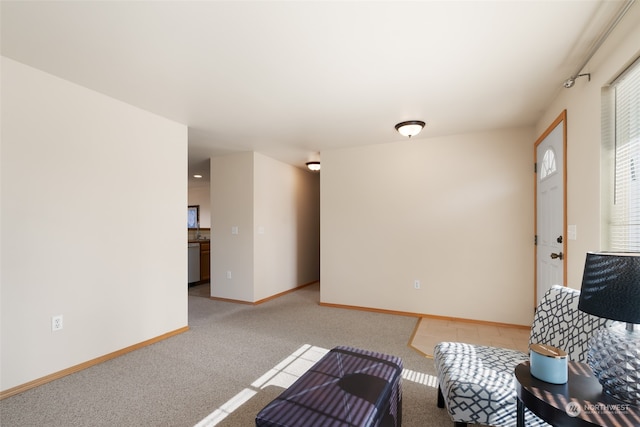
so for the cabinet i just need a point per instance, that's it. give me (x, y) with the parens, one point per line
(205, 257)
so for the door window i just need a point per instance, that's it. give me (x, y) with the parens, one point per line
(548, 164)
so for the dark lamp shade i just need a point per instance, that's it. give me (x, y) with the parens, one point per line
(611, 286)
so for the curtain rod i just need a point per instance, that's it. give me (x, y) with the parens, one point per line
(614, 22)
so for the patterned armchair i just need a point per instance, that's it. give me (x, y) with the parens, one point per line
(476, 382)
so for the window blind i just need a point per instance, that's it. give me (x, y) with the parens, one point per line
(624, 232)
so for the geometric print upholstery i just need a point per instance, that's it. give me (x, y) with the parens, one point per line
(476, 382)
(559, 323)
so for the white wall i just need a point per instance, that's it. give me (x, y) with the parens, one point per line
(275, 207)
(455, 213)
(93, 214)
(583, 105)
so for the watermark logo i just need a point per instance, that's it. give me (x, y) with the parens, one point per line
(573, 409)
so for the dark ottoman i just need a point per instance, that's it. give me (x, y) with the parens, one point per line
(347, 387)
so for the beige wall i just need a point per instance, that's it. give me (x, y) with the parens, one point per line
(93, 217)
(455, 213)
(275, 207)
(93, 213)
(583, 105)
(287, 225)
(232, 206)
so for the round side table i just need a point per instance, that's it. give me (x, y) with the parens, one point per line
(579, 402)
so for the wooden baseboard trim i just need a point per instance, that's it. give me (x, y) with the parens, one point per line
(235, 301)
(57, 375)
(477, 322)
(374, 310)
(288, 291)
(284, 293)
(424, 315)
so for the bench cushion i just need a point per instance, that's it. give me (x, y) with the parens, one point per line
(347, 387)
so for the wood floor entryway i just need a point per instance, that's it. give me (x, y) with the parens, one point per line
(430, 332)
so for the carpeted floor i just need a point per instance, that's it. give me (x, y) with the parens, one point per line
(211, 374)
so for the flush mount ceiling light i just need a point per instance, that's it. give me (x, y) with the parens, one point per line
(313, 166)
(410, 128)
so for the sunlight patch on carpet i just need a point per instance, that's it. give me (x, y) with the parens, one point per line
(290, 369)
(231, 405)
(285, 373)
(420, 378)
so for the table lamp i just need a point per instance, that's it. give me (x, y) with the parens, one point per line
(611, 289)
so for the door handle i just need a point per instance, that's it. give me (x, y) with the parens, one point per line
(555, 256)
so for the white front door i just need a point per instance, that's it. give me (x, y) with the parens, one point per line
(550, 207)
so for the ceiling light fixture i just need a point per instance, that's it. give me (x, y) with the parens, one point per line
(410, 128)
(197, 176)
(313, 166)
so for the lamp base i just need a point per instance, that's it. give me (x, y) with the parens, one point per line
(614, 357)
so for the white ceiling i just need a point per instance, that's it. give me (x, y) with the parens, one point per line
(291, 78)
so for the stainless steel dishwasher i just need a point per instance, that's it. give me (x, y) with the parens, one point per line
(194, 262)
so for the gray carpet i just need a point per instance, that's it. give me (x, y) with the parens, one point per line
(181, 380)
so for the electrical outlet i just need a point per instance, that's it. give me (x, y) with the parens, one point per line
(56, 323)
(416, 284)
(229, 274)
